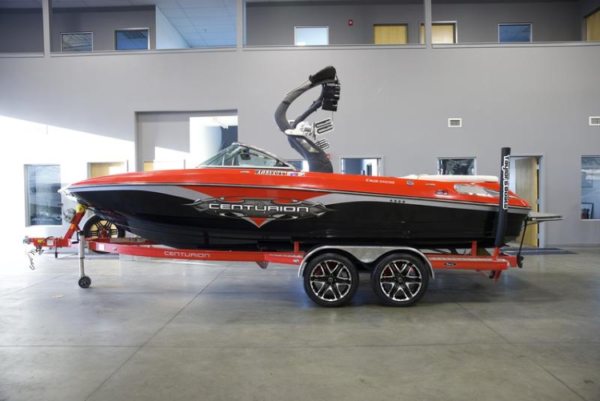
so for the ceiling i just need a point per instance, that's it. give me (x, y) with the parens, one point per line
(202, 23)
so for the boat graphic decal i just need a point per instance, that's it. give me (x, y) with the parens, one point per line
(260, 211)
(280, 173)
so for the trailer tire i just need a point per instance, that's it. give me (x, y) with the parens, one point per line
(85, 282)
(97, 227)
(400, 279)
(331, 279)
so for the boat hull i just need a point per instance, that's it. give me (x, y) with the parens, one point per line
(234, 217)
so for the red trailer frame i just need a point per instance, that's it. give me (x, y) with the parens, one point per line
(495, 263)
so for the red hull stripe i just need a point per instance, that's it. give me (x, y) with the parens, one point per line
(311, 183)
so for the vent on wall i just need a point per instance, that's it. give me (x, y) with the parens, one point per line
(455, 122)
(595, 120)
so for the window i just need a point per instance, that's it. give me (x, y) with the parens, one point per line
(157, 165)
(514, 33)
(102, 169)
(77, 42)
(132, 39)
(390, 34)
(441, 33)
(361, 166)
(592, 27)
(311, 35)
(590, 187)
(456, 166)
(238, 155)
(43, 200)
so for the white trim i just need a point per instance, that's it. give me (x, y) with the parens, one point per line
(333, 47)
(591, 118)
(455, 126)
(21, 55)
(310, 26)
(144, 52)
(76, 33)
(517, 23)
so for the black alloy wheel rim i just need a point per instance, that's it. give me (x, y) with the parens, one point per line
(400, 280)
(330, 280)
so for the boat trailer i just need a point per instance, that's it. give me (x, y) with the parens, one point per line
(402, 270)
(400, 275)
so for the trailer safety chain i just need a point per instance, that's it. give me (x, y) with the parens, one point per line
(35, 251)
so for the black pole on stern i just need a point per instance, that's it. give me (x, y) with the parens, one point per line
(503, 200)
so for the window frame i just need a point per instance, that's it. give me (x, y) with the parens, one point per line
(27, 195)
(439, 159)
(76, 33)
(311, 26)
(581, 186)
(516, 23)
(455, 23)
(380, 165)
(131, 29)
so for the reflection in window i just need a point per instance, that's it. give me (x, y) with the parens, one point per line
(514, 33)
(43, 200)
(590, 187)
(132, 39)
(76, 42)
(300, 165)
(311, 36)
(456, 166)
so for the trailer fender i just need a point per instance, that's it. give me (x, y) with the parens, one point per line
(365, 254)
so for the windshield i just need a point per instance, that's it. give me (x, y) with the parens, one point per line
(238, 155)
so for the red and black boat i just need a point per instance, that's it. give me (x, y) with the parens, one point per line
(247, 198)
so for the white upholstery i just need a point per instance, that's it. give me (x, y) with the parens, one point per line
(452, 178)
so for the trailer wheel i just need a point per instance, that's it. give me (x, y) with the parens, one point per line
(331, 280)
(85, 282)
(97, 227)
(400, 279)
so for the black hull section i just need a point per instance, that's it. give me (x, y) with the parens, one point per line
(172, 221)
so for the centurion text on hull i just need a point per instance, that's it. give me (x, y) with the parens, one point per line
(247, 198)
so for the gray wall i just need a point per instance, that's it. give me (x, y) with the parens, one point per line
(273, 23)
(14, 38)
(535, 99)
(551, 21)
(102, 22)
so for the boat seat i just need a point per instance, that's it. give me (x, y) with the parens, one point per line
(452, 178)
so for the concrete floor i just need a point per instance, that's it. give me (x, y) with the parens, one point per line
(166, 331)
